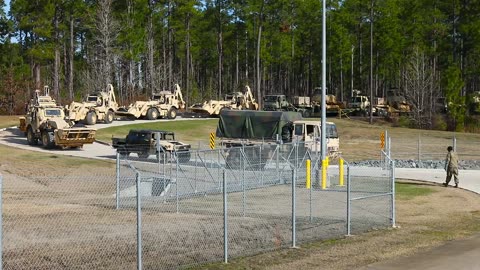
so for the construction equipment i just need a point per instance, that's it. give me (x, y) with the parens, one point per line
(313, 106)
(45, 121)
(232, 101)
(98, 106)
(397, 104)
(279, 102)
(164, 104)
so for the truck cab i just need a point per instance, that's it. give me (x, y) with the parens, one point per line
(310, 132)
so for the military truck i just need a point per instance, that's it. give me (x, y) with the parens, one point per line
(98, 106)
(164, 104)
(269, 128)
(232, 101)
(152, 142)
(279, 102)
(45, 121)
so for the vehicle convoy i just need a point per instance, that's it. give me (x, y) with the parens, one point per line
(279, 102)
(232, 101)
(164, 104)
(268, 128)
(152, 142)
(98, 106)
(45, 121)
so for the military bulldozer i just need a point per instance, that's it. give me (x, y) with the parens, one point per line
(164, 104)
(98, 106)
(45, 122)
(232, 101)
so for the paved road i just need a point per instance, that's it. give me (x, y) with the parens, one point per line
(13, 137)
(458, 255)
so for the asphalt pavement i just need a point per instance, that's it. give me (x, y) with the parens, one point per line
(458, 254)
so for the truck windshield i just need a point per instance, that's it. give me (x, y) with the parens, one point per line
(137, 137)
(298, 130)
(53, 112)
(356, 99)
(332, 131)
(92, 98)
(270, 98)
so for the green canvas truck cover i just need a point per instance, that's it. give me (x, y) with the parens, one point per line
(254, 124)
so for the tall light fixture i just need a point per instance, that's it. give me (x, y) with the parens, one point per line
(324, 83)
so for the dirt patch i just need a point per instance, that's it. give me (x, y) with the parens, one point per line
(424, 222)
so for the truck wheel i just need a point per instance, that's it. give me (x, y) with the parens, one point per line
(91, 118)
(31, 137)
(143, 155)
(46, 141)
(172, 113)
(109, 117)
(152, 114)
(306, 113)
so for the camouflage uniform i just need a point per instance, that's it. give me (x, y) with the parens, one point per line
(451, 167)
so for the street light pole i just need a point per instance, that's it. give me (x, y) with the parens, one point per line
(324, 84)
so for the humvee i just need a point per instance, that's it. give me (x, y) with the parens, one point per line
(152, 142)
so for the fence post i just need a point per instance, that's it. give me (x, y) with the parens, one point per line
(139, 223)
(225, 219)
(117, 181)
(454, 142)
(418, 147)
(176, 181)
(393, 193)
(282, 181)
(243, 162)
(349, 214)
(294, 176)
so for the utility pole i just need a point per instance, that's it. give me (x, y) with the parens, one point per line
(371, 62)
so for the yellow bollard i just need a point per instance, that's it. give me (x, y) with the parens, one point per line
(324, 174)
(340, 167)
(328, 161)
(308, 183)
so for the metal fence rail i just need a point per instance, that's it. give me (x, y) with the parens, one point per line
(165, 212)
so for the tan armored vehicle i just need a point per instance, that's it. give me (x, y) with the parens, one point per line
(233, 101)
(99, 106)
(45, 121)
(164, 104)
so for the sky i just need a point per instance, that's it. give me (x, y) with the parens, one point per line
(7, 6)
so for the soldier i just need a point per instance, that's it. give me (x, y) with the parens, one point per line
(451, 166)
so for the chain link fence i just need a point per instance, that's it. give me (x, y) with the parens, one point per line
(173, 209)
(421, 148)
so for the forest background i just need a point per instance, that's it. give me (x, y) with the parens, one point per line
(427, 50)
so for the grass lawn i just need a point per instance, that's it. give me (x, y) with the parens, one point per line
(9, 121)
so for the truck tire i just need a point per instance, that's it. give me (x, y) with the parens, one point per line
(152, 114)
(123, 153)
(143, 155)
(91, 118)
(31, 137)
(306, 113)
(46, 140)
(172, 113)
(109, 117)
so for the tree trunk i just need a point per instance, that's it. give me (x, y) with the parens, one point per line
(150, 49)
(56, 64)
(259, 43)
(70, 59)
